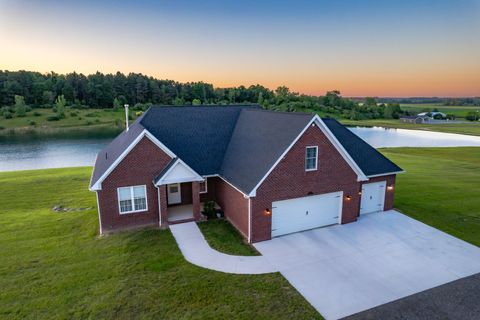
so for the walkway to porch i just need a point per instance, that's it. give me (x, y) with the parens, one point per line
(183, 212)
(196, 250)
(180, 213)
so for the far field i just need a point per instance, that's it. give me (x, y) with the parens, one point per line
(54, 266)
(458, 111)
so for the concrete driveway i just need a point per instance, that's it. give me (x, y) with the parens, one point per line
(345, 269)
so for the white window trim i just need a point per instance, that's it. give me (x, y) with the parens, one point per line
(206, 186)
(316, 158)
(132, 199)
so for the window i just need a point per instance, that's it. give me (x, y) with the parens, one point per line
(203, 186)
(311, 155)
(132, 199)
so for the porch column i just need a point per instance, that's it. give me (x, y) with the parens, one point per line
(196, 200)
(163, 206)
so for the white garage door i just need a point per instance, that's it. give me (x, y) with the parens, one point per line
(305, 213)
(373, 197)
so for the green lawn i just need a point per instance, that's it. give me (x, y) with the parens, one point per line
(222, 236)
(53, 266)
(441, 188)
(458, 111)
(75, 119)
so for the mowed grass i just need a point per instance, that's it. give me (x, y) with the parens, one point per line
(222, 236)
(74, 119)
(53, 265)
(458, 111)
(441, 188)
(472, 128)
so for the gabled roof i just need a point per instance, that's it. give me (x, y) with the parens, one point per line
(197, 135)
(241, 143)
(367, 157)
(176, 171)
(107, 156)
(258, 140)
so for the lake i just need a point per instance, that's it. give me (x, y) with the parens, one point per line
(24, 154)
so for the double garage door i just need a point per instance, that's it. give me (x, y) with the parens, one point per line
(305, 213)
(293, 215)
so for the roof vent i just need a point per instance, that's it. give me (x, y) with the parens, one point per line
(126, 116)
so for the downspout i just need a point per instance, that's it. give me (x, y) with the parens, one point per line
(159, 208)
(249, 220)
(99, 215)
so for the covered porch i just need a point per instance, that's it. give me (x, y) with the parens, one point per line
(178, 193)
(183, 213)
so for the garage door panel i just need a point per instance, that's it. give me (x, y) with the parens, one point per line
(305, 213)
(373, 197)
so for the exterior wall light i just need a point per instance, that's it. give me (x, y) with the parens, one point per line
(359, 193)
(390, 187)
(348, 198)
(267, 212)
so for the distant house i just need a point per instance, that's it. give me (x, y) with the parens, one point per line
(271, 173)
(433, 115)
(414, 119)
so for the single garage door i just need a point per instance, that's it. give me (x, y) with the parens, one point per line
(373, 197)
(305, 213)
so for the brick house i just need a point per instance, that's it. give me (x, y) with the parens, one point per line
(271, 173)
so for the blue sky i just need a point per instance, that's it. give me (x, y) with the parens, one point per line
(382, 48)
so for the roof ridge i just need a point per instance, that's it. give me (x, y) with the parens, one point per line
(282, 112)
(242, 105)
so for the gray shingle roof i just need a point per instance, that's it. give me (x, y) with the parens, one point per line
(367, 157)
(259, 139)
(114, 149)
(238, 142)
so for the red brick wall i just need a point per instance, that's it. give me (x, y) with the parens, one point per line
(186, 193)
(139, 167)
(290, 180)
(234, 205)
(389, 194)
(210, 194)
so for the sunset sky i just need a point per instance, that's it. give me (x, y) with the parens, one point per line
(362, 48)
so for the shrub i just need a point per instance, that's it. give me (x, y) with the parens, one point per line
(1, 128)
(92, 115)
(32, 123)
(89, 123)
(53, 118)
(37, 114)
(7, 114)
(209, 210)
(20, 107)
(118, 123)
(80, 118)
(73, 114)
(472, 116)
(97, 120)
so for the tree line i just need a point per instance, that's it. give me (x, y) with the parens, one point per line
(140, 91)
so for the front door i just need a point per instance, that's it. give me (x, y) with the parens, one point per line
(373, 197)
(174, 193)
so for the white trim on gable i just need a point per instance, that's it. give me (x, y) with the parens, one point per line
(316, 120)
(360, 175)
(386, 174)
(98, 184)
(177, 173)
